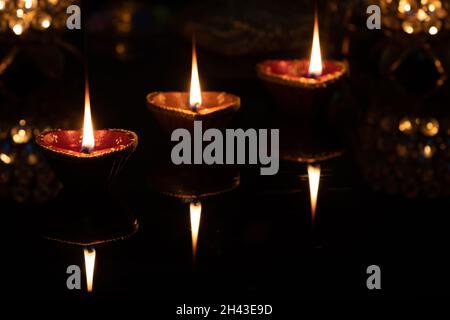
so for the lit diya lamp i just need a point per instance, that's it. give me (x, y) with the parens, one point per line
(87, 161)
(302, 86)
(175, 110)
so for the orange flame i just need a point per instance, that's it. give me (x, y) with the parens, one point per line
(315, 62)
(89, 262)
(195, 94)
(196, 213)
(88, 142)
(314, 179)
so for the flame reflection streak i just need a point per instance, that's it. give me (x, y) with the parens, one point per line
(89, 262)
(88, 142)
(314, 179)
(195, 213)
(315, 62)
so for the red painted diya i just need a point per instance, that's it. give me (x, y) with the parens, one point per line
(87, 161)
(85, 212)
(296, 73)
(303, 86)
(172, 110)
(63, 149)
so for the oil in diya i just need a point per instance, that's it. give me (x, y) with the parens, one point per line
(175, 110)
(87, 162)
(303, 87)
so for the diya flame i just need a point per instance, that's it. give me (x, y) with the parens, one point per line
(315, 62)
(195, 93)
(88, 142)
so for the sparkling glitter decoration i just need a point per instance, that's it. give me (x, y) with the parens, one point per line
(22, 16)
(24, 175)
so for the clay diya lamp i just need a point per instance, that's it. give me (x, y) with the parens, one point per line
(87, 162)
(174, 110)
(302, 87)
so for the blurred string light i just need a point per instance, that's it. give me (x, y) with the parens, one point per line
(408, 155)
(19, 16)
(428, 126)
(24, 176)
(415, 16)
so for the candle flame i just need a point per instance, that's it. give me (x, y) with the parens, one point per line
(89, 262)
(315, 62)
(88, 142)
(314, 179)
(195, 94)
(196, 213)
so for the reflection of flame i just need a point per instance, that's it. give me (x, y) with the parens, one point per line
(315, 63)
(88, 142)
(196, 213)
(89, 262)
(314, 179)
(195, 94)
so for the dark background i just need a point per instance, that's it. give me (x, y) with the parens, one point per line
(255, 242)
